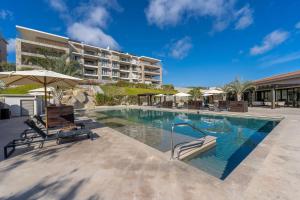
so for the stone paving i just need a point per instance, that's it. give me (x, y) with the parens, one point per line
(114, 166)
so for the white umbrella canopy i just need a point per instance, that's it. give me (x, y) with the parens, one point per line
(42, 77)
(160, 95)
(182, 94)
(212, 91)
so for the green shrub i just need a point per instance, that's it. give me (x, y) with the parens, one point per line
(132, 100)
(168, 87)
(102, 100)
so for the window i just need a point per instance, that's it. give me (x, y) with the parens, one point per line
(105, 72)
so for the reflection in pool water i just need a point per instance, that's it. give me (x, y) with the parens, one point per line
(236, 137)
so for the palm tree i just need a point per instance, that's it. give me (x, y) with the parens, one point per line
(238, 87)
(196, 93)
(4, 66)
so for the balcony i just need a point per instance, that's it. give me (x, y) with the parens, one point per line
(105, 66)
(104, 55)
(152, 65)
(125, 70)
(90, 64)
(91, 53)
(154, 72)
(125, 60)
(115, 75)
(114, 57)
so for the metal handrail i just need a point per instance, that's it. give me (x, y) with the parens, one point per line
(182, 124)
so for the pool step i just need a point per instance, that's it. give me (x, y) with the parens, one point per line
(190, 149)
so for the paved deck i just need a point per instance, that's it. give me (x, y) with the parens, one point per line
(115, 166)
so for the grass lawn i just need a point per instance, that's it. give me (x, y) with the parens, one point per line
(114, 90)
(23, 89)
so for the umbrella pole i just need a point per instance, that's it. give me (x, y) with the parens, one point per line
(46, 112)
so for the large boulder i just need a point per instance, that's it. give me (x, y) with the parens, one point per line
(90, 102)
(80, 95)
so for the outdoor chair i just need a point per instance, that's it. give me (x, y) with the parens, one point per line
(41, 137)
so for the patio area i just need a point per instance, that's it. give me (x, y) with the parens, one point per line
(115, 166)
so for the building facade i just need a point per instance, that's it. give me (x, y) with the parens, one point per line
(97, 63)
(3, 50)
(280, 90)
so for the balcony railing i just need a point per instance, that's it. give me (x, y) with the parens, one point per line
(91, 63)
(92, 53)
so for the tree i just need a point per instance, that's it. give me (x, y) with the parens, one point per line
(4, 66)
(196, 93)
(238, 87)
(168, 87)
(57, 62)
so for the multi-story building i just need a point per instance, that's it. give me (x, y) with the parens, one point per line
(3, 50)
(97, 63)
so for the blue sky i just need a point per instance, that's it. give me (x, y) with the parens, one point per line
(201, 42)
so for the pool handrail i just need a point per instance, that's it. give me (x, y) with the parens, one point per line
(182, 124)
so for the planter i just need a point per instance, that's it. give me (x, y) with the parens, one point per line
(60, 116)
(238, 106)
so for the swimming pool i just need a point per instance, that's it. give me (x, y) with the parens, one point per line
(236, 136)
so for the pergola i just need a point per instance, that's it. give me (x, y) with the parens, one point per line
(148, 96)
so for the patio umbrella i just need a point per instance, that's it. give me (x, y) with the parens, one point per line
(182, 94)
(42, 77)
(213, 91)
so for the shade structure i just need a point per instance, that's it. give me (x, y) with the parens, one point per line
(182, 94)
(42, 77)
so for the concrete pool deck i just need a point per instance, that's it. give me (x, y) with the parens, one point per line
(115, 166)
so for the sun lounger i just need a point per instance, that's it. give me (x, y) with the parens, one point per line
(41, 137)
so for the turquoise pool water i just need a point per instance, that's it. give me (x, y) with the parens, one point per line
(236, 137)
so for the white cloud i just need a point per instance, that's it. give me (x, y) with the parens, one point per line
(171, 12)
(297, 26)
(271, 61)
(91, 35)
(58, 5)
(180, 48)
(5, 14)
(95, 16)
(245, 18)
(270, 41)
(11, 47)
(87, 21)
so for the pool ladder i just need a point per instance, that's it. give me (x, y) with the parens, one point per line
(181, 145)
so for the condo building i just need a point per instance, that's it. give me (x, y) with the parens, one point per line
(102, 64)
(3, 50)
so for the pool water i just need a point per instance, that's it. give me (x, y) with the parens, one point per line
(236, 137)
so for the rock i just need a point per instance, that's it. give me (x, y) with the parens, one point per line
(80, 96)
(97, 89)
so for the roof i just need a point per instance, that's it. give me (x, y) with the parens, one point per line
(279, 77)
(33, 32)
(149, 59)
